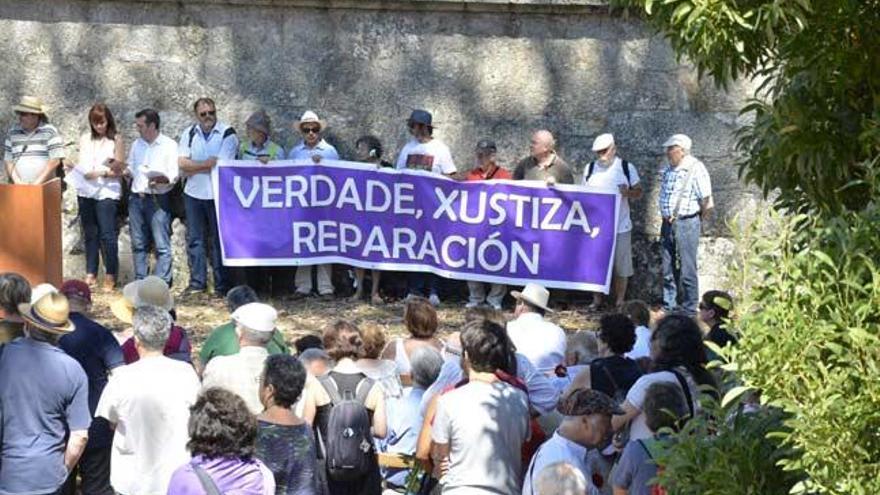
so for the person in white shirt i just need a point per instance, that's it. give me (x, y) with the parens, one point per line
(200, 146)
(314, 148)
(541, 341)
(152, 166)
(608, 171)
(560, 478)
(98, 190)
(586, 425)
(148, 404)
(240, 373)
(640, 314)
(425, 152)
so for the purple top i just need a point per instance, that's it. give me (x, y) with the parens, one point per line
(233, 476)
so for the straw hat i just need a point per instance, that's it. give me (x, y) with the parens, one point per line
(50, 313)
(535, 295)
(150, 291)
(310, 117)
(30, 104)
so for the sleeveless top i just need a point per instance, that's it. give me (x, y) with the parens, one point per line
(614, 375)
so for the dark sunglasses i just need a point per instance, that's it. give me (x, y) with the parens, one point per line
(209, 112)
(310, 130)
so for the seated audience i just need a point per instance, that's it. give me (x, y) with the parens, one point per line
(223, 341)
(715, 311)
(580, 350)
(14, 290)
(640, 314)
(586, 425)
(541, 341)
(404, 413)
(150, 291)
(222, 443)
(285, 442)
(308, 342)
(381, 371)
(240, 373)
(344, 343)
(148, 403)
(420, 319)
(679, 358)
(664, 408)
(484, 412)
(316, 361)
(612, 373)
(97, 351)
(560, 478)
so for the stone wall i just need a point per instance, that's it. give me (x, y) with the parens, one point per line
(488, 68)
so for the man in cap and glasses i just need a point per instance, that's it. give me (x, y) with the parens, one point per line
(425, 152)
(487, 168)
(685, 202)
(44, 395)
(33, 149)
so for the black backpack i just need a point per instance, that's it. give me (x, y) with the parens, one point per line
(624, 164)
(348, 443)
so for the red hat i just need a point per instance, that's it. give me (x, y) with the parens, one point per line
(77, 289)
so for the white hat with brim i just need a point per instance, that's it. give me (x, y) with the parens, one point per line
(603, 142)
(259, 317)
(51, 313)
(310, 117)
(535, 295)
(678, 140)
(30, 104)
(150, 291)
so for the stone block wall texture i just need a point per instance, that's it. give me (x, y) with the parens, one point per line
(484, 68)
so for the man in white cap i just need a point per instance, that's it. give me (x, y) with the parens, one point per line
(44, 395)
(539, 340)
(33, 149)
(608, 171)
(240, 373)
(685, 202)
(313, 147)
(201, 145)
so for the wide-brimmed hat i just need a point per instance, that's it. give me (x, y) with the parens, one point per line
(309, 117)
(30, 104)
(535, 295)
(150, 291)
(259, 317)
(259, 121)
(50, 313)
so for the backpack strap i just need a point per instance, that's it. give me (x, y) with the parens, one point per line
(331, 387)
(685, 388)
(205, 479)
(610, 377)
(363, 390)
(228, 132)
(192, 134)
(589, 171)
(647, 450)
(625, 165)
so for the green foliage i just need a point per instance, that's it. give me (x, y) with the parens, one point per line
(810, 341)
(732, 456)
(815, 135)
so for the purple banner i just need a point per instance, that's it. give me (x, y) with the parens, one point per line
(299, 213)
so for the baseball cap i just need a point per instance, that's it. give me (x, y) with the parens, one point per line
(603, 142)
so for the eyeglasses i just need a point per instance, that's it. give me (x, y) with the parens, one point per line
(310, 130)
(209, 112)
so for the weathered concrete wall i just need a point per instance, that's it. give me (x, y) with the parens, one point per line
(486, 69)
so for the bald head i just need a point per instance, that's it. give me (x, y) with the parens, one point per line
(542, 144)
(560, 478)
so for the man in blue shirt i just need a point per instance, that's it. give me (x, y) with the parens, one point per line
(98, 352)
(43, 403)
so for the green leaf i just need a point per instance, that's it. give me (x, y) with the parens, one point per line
(734, 394)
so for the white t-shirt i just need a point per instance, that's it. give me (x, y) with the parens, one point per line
(433, 155)
(239, 373)
(149, 402)
(642, 347)
(638, 429)
(485, 425)
(610, 178)
(541, 341)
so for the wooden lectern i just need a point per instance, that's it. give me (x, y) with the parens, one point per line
(30, 231)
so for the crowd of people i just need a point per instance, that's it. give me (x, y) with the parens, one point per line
(504, 405)
(152, 173)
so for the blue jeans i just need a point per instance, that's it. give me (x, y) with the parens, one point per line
(679, 242)
(149, 218)
(98, 219)
(201, 226)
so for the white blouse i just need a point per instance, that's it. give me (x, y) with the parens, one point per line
(93, 156)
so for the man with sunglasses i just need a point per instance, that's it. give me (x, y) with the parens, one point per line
(424, 152)
(315, 148)
(201, 145)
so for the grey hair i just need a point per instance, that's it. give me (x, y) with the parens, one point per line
(425, 362)
(583, 346)
(253, 336)
(152, 325)
(240, 295)
(560, 478)
(14, 290)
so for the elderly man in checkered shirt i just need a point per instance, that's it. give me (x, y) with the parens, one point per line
(685, 202)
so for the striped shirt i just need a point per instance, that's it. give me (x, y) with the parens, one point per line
(30, 151)
(672, 185)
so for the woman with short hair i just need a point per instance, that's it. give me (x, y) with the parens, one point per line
(382, 371)
(222, 444)
(420, 319)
